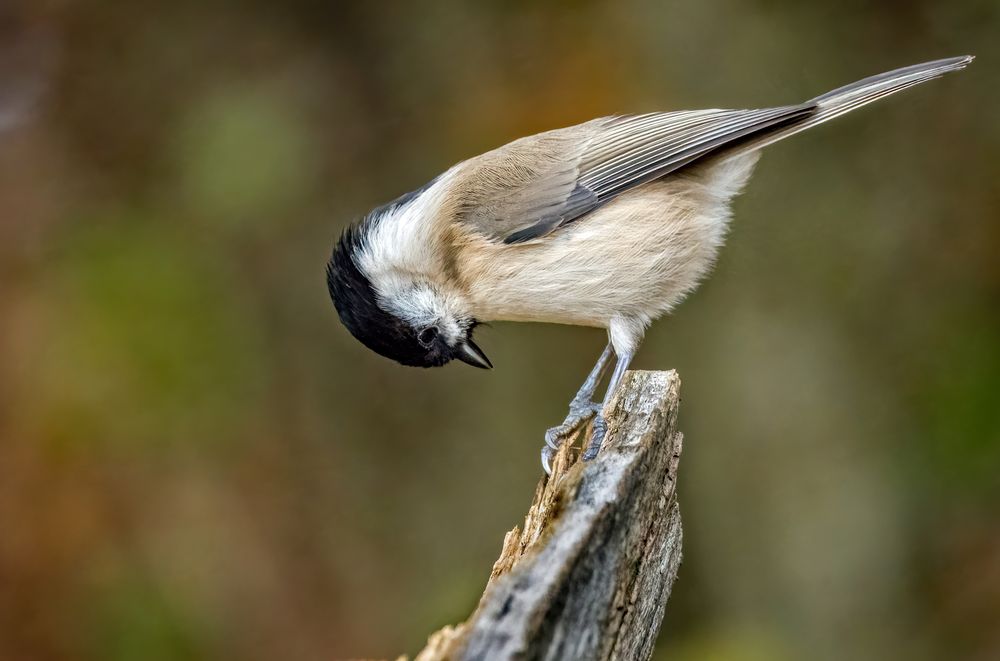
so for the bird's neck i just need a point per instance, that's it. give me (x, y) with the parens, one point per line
(408, 248)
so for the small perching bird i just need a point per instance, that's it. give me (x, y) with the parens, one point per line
(610, 223)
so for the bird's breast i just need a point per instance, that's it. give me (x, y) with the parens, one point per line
(637, 256)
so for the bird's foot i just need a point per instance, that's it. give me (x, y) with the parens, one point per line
(580, 413)
(597, 434)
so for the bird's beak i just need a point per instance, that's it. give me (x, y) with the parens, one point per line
(468, 352)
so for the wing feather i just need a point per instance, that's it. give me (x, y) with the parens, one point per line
(532, 186)
(642, 148)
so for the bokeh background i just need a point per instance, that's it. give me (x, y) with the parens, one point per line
(198, 462)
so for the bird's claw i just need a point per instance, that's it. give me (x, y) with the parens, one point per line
(580, 412)
(556, 436)
(598, 431)
(547, 453)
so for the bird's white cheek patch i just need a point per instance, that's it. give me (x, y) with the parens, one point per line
(421, 306)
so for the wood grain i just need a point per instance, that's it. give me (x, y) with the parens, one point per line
(589, 573)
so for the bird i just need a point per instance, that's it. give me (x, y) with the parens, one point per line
(609, 224)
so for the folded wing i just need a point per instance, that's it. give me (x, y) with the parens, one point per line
(530, 187)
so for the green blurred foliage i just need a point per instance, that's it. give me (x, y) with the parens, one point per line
(243, 157)
(197, 461)
(132, 620)
(151, 332)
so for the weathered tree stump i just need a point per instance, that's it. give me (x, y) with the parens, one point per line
(589, 573)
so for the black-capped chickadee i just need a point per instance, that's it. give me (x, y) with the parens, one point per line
(609, 223)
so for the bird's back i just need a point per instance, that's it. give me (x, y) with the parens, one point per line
(621, 217)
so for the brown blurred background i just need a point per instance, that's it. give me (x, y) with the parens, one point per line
(198, 462)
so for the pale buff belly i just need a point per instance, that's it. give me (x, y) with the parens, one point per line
(636, 257)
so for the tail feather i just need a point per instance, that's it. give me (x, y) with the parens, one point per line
(851, 97)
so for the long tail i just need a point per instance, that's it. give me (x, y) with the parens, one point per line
(861, 93)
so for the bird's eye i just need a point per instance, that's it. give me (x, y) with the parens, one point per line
(428, 335)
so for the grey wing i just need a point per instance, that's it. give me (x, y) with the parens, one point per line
(561, 175)
(531, 182)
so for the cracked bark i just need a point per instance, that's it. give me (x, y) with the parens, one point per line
(589, 573)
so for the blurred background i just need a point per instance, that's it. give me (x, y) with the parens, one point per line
(198, 462)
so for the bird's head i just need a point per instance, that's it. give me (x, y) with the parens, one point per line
(402, 316)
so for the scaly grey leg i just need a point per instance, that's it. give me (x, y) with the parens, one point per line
(581, 409)
(600, 427)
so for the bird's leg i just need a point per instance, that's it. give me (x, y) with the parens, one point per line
(600, 427)
(581, 409)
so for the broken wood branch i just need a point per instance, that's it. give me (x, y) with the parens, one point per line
(589, 573)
